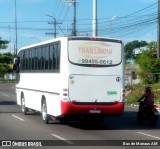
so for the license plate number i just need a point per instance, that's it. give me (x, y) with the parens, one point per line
(95, 111)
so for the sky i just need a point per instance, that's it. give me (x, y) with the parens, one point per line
(127, 20)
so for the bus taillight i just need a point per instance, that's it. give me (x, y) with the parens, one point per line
(123, 94)
(65, 90)
(65, 95)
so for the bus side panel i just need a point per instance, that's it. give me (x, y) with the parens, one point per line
(53, 105)
(60, 81)
(18, 96)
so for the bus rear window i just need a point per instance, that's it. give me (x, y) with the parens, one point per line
(99, 53)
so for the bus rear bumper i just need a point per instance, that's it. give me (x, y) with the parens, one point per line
(70, 108)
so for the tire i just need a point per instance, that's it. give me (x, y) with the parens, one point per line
(139, 117)
(45, 116)
(23, 107)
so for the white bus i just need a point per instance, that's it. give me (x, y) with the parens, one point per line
(71, 76)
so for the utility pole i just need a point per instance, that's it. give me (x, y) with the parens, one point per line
(9, 37)
(94, 18)
(158, 31)
(55, 23)
(55, 27)
(74, 19)
(15, 50)
(74, 3)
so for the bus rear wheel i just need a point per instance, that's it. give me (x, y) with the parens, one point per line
(23, 107)
(45, 116)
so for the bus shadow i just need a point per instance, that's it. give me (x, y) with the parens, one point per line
(2, 103)
(7, 112)
(127, 121)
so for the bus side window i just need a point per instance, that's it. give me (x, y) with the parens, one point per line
(39, 58)
(26, 60)
(58, 56)
(55, 54)
(43, 58)
(20, 60)
(32, 67)
(29, 59)
(46, 57)
(36, 59)
(52, 58)
(16, 64)
(23, 61)
(49, 59)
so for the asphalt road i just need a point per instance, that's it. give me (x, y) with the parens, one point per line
(16, 126)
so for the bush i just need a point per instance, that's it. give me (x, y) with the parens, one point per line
(134, 92)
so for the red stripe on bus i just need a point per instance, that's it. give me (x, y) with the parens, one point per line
(71, 108)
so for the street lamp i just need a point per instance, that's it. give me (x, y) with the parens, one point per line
(37, 39)
(83, 33)
(55, 23)
(112, 19)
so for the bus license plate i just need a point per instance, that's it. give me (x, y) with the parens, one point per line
(95, 111)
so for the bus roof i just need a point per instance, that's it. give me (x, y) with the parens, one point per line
(71, 38)
(41, 43)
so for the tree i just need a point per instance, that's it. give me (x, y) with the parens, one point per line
(3, 44)
(6, 58)
(149, 63)
(5, 64)
(3, 70)
(129, 49)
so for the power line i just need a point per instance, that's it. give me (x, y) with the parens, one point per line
(133, 21)
(121, 26)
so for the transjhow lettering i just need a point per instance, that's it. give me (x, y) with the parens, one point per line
(95, 50)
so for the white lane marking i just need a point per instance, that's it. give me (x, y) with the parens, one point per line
(5, 95)
(63, 139)
(18, 117)
(149, 135)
